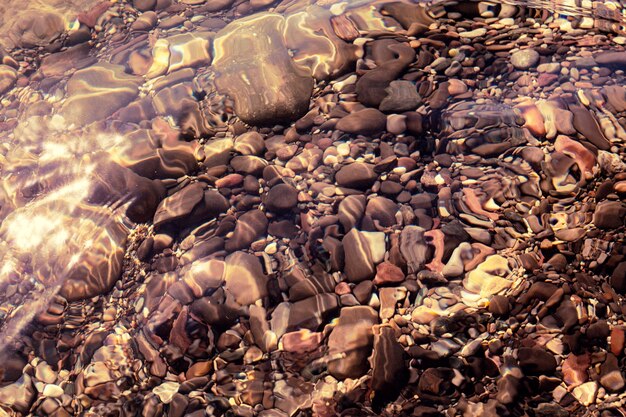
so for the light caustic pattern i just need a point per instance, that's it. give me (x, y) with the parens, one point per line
(65, 188)
(50, 233)
(61, 225)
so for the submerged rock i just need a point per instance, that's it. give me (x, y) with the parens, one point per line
(254, 68)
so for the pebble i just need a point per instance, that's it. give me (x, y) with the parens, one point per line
(166, 391)
(311, 210)
(525, 59)
(281, 198)
(363, 122)
(473, 33)
(52, 391)
(356, 175)
(354, 338)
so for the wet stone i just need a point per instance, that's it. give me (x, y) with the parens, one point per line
(244, 278)
(8, 77)
(281, 198)
(252, 225)
(356, 175)
(363, 122)
(401, 96)
(254, 68)
(353, 336)
(312, 312)
(389, 371)
(179, 204)
(96, 92)
(362, 251)
(388, 273)
(536, 361)
(613, 60)
(351, 210)
(618, 278)
(525, 59)
(609, 215)
(278, 208)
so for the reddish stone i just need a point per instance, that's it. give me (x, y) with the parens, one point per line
(90, 17)
(301, 341)
(547, 79)
(617, 341)
(229, 181)
(387, 272)
(575, 369)
(342, 288)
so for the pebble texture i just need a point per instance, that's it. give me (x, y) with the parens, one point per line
(294, 208)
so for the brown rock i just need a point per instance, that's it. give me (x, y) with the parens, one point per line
(357, 175)
(250, 226)
(281, 198)
(244, 278)
(389, 370)
(362, 250)
(388, 273)
(363, 122)
(353, 337)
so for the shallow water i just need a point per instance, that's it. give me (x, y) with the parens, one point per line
(232, 207)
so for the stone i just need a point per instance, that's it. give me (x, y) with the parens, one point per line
(144, 5)
(525, 59)
(598, 330)
(248, 165)
(617, 339)
(476, 33)
(367, 122)
(362, 251)
(613, 60)
(312, 312)
(95, 270)
(8, 77)
(281, 198)
(618, 278)
(18, 395)
(254, 68)
(490, 277)
(413, 248)
(609, 215)
(586, 393)
(145, 21)
(358, 175)
(382, 211)
(179, 205)
(52, 391)
(354, 338)
(389, 370)
(166, 391)
(96, 92)
(536, 361)
(394, 57)
(389, 297)
(401, 96)
(189, 50)
(250, 226)
(217, 152)
(388, 273)
(586, 123)
(204, 275)
(611, 377)
(244, 278)
(33, 28)
(250, 143)
(499, 305)
(351, 211)
(575, 369)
